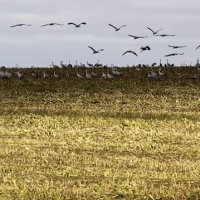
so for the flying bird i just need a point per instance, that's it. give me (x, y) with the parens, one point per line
(95, 51)
(154, 32)
(176, 47)
(19, 25)
(116, 28)
(145, 48)
(174, 54)
(137, 37)
(197, 47)
(166, 35)
(52, 24)
(77, 25)
(129, 51)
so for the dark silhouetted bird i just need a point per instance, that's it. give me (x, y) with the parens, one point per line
(95, 51)
(174, 54)
(52, 24)
(137, 37)
(77, 25)
(176, 47)
(116, 28)
(129, 51)
(166, 35)
(145, 48)
(16, 25)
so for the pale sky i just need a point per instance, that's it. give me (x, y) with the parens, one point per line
(39, 46)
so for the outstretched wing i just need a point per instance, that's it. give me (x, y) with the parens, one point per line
(113, 26)
(171, 54)
(133, 36)
(134, 53)
(82, 23)
(19, 25)
(71, 23)
(148, 48)
(124, 53)
(122, 26)
(182, 46)
(16, 25)
(92, 48)
(197, 47)
(175, 47)
(172, 46)
(137, 37)
(129, 52)
(151, 30)
(166, 35)
(159, 30)
(174, 54)
(57, 24)
(47, 24)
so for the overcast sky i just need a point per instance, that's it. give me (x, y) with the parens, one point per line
(39, 46)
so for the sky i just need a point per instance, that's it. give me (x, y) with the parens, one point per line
(39, 46)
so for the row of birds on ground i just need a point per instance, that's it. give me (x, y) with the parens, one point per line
(143, 48)
(92, 72)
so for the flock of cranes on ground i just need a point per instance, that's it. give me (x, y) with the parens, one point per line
(107, 73)
(94, 71)
(143, 48)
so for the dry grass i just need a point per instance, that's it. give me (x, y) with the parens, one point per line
(127, 138)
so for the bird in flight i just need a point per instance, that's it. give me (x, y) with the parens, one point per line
(129, 51)
(154, 32)
(176, 47)
(116, 28)
(95, 51)
(165, 35)
(174, 54)
(52, 24)
(137, 37)
(145, 48)
(77, 25)
(198, 47)
(19, 25)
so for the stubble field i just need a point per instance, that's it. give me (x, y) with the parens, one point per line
(124, 138)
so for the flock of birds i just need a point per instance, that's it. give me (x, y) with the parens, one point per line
(116, 28)
(51, 24)
(93, 71)
(107, 72)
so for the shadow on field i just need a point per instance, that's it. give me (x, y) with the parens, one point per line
(105, 115)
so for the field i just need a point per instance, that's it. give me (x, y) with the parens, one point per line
(124, 138)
